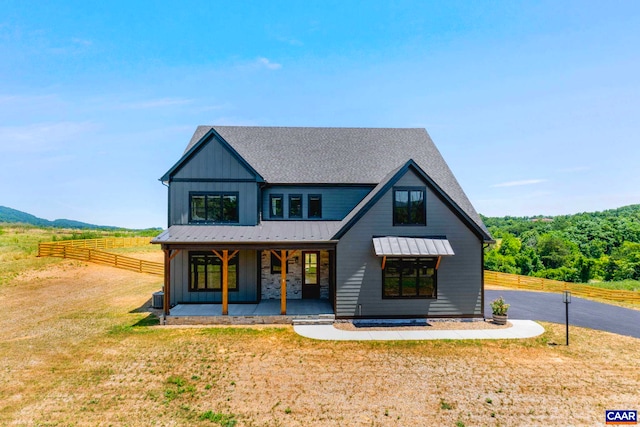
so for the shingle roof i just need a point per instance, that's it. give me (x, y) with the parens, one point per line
(311, 155)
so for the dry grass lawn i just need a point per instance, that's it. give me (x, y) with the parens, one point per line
(78, 348)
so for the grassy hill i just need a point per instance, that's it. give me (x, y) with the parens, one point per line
(10, 215)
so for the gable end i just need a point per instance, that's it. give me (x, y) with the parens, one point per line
(360, 211)
(196, 148)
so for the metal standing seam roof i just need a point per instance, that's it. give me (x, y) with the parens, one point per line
(265, 232)
(411, 246)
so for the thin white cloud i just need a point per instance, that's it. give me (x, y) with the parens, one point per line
(41, 136)
(82, 42)
(157, 103)
(575, 169)
(290, 41)
(519, 183)
(266, 63)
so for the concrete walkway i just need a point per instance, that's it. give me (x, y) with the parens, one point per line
(520, 329)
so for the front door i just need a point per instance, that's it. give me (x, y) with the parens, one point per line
(311, 275)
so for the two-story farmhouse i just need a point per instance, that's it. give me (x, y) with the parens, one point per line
(369, 222)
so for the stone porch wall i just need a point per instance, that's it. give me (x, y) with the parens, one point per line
(271, 282)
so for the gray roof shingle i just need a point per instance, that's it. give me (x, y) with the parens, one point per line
(313, 155)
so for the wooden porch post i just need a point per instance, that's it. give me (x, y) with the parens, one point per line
(225, 282)
(225, 257)
(166, 297)
(284, 258)
(283, 282)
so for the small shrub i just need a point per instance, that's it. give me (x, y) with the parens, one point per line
(176, 380)
(499, 307)
(445, 405)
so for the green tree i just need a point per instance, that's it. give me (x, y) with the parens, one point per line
(554, 251)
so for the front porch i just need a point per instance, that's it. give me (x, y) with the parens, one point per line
(265, 312)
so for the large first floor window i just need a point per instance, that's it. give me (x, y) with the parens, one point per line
(205, 272)
(409, 206)
(409, 278)
(213, 207)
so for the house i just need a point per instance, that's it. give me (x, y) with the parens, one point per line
(371, 222)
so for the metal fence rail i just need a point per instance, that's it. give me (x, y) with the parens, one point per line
(89, 250)
(547, 285)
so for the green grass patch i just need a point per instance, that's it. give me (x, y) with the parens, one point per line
(224, 420)
(622, 285)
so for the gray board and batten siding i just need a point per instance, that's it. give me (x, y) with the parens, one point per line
(359, 272)
(213, 168)
(248, 281)
(337, 201)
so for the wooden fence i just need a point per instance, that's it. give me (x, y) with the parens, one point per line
(89, 250)
(104, 243)
(547, 285)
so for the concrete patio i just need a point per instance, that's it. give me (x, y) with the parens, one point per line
(265, 312)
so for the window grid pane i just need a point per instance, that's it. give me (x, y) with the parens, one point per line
(409, 207)
(198, 210)
(295, 206)
(315, 206)
(275, 209)
(409, 278)
(206, 273)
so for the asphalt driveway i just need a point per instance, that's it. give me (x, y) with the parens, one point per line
(550, 308)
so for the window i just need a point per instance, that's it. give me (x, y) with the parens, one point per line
(213, 207)
(295, 205)
(315, 206)
(205, 272)
(276, 265)
(409, 206)
(409, 278)
(275, 206)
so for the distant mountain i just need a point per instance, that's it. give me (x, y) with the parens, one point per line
(15, 216)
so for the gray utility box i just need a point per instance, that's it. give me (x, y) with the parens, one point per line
(157, 299)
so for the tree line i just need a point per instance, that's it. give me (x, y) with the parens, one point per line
(574, 248)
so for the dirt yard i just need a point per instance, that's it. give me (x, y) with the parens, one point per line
(77, 347)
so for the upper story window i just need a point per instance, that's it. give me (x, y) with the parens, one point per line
(276, 209)
(219, 207)
(315, 206)
(409, 206)
(295, 205)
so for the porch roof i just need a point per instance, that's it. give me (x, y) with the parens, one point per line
(267, 232)
(410, 246)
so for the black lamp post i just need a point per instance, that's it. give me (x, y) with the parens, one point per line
(566, 299)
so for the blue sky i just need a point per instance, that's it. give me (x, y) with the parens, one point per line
(534, 105)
